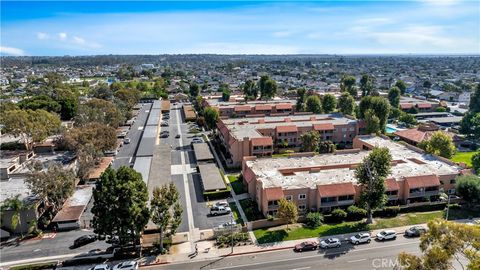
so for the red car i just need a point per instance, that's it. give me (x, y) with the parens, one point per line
(307, 245)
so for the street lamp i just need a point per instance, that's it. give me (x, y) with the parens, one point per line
(231, 230)
(448, 207)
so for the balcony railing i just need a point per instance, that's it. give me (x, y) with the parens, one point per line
(337, 203)
(423, 193)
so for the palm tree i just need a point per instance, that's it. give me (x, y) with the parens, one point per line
(16, 206)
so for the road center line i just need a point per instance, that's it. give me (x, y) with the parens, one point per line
(357, 260)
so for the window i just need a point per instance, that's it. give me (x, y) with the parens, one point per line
(344, 129)
(272, 203)
(392, 193)
(452, 181)
(345, 198)
(451, 191)
(328, 199)
(302, 207)
(352, 129)
(302, 196)
(288, 197)
(431, 189)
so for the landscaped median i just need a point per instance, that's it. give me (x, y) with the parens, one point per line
(299, 231)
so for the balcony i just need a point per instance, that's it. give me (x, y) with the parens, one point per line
(392, 197)
(337, 203)
(429, 193)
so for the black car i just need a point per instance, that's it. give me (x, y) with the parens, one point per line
(83, 240)
(415, 231)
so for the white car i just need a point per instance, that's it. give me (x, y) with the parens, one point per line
(101, 267)
(386, 235)
(228, 225)
(126, 141)
(220, 210)
(360, 238)
(127, 265)
(222, 203)
(330, 243)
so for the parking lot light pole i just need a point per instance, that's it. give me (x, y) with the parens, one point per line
(448, 207)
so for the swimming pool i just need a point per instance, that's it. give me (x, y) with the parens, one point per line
(390, 129)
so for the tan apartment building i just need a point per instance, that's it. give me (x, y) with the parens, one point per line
(262, 136)
(238, 108)
(325, 182)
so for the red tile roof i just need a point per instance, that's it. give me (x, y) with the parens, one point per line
(273, 194)
(242, 108)
(335, 190)
(422, 181)
(325, 126)
(263, 107)
(291, 128)
(97, 171)
(424, 105)
(262, 141)
(406, 105)
(411, 134)
(283, 106)
(391, 184)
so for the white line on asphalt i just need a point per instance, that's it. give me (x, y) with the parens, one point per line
(313, 256)
(302, 268)
(356, 260)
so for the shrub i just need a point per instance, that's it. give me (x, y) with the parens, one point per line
(390, 211)
(339, 214)
(356, 213)
(226, 240)
(270, 218)
(314, 219)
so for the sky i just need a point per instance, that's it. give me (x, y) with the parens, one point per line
(273, 27)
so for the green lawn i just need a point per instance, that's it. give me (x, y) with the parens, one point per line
(266, 236)
(465, 157)
(236, 213)
(237, 184)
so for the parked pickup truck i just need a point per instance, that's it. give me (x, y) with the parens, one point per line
(220, 210)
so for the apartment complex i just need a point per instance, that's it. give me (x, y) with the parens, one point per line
(262, 136)
(408, 103)
(324, 182)
(239, 108)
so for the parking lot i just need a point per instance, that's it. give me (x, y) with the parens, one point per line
(200, 209)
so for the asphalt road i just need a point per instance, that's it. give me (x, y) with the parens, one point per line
(376, 255)
(126, 153)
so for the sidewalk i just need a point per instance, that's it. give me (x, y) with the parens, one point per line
(215, 252)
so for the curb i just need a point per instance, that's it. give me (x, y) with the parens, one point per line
(256, 251)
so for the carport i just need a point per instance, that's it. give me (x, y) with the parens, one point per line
(211, 177)
(202, 152)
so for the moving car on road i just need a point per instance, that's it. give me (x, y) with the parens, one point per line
(83, 240)
(330, 243)
(101, 267)
(386, 235)
(415, 231)
(220, 210)
(360, 238)
(307, 245)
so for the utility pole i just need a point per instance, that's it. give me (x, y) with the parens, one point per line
(448, 207)
(231, 230)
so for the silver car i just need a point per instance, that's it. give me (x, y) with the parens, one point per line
(330, 243)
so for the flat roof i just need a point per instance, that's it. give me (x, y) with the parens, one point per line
(12, 187)
(142, 165)
(146, 147)
(248, 127)
(409, 163)
(74, 206)
(153, 117)
(445, 120)
(202, 152)
(220, 103)
(211, 177)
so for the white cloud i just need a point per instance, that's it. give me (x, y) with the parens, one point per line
(42, 36)
(62, 36)
(78, 40)
(11, 51)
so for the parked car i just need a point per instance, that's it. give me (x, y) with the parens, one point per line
(222, 203)
(177, 136)
(415, 231)
(114, 240)
(307, 245)
(360, 238)
(387, 235)
(330, 243)
(164, 124)
(197, 140)
(220, 210)
(126, 141)
(84, 239)
(101, 267)
(127, 265)
(228, 225)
